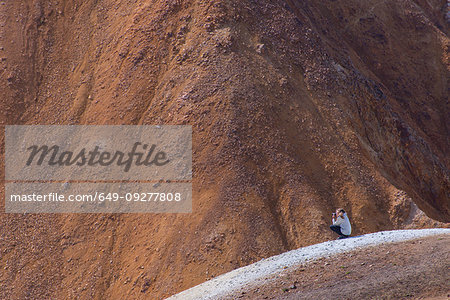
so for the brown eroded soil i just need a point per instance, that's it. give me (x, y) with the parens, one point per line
(297, 108)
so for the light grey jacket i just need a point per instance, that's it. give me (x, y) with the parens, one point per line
(344, 223)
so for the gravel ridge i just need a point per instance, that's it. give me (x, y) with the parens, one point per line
(228, 283)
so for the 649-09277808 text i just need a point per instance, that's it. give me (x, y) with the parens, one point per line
(98, 197)
(98, 169)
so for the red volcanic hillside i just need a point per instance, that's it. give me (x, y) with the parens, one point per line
(297, 107)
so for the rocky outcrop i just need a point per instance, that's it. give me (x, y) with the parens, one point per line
(297, 107)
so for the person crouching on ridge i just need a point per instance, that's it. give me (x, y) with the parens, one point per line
(341, 224)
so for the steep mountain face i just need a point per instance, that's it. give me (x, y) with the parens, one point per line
(297, 107)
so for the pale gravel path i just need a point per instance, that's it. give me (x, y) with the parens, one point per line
(255, 274)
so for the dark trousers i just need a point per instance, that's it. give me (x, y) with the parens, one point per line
(337, 229)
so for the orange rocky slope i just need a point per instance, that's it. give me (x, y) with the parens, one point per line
(297, 107)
